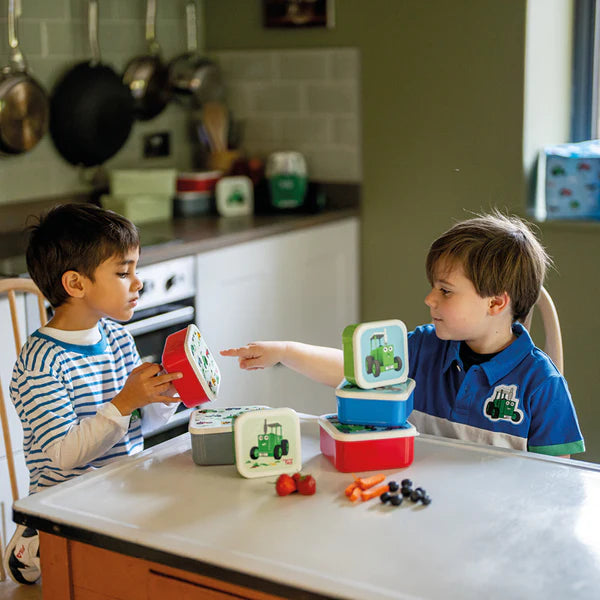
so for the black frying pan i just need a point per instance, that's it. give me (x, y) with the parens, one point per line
(23, 101)
(91, 110)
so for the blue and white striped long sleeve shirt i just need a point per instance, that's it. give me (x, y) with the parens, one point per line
(56, 386)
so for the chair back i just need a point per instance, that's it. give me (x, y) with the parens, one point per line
(11, 287)
(553, 346)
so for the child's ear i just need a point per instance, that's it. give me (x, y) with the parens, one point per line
(499, 303)
(73, 283)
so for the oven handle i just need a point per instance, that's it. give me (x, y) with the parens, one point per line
(174, 317)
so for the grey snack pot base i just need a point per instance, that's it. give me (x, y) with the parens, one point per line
(213, 449)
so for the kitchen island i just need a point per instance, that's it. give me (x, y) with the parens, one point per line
(502, 524)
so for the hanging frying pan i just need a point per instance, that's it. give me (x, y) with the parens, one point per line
(91, 111)
(23, 101)
(146, 76)
(190, 74)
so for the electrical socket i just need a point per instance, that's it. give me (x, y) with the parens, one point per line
(157, 145)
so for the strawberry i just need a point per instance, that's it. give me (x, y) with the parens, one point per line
(296, 476)
(307, 485)
(285, 485)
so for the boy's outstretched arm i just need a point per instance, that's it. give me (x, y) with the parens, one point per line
(319, 363)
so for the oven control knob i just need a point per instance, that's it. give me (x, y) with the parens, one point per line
(170, 282)
(147, 287)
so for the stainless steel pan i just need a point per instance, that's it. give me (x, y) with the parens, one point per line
(147, 76)
(191, 75)
(24, 105)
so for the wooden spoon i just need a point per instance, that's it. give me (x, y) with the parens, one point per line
(216, 124)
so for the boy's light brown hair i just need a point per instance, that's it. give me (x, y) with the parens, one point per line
(75, 237)
(498, 253)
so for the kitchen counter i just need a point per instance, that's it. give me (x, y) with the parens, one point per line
(164, 240)
(502, 524)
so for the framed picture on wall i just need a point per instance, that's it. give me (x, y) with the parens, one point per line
(298, 13)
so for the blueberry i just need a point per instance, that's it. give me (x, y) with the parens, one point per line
(415, 496)
(384, 497)
(420, 489)
(406, 491)
(406, 483)
(426, 500)
(396, 500)
(393, 486)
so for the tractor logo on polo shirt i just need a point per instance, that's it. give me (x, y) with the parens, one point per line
(502, 405)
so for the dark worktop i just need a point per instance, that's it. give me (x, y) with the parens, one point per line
(192, 235)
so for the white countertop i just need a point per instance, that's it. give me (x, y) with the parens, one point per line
(502, 524)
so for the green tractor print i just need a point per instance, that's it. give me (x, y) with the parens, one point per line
(270, 442)
(382, 356)
(503, 406)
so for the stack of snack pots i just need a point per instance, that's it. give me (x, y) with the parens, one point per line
(186, 351)
(370, 430)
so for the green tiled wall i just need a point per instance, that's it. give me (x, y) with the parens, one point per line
(53, 37)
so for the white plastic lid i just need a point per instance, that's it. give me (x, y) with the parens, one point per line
(202, 362)
(363, 433)
(393, 393)
(205, 421)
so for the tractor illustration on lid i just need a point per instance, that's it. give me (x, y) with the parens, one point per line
(270, 442)
(381, 357)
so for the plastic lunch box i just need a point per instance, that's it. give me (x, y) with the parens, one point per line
(211, 431)
(375, 353)
(267, 442)
(387, 406)
(186, 351)
(366, 448)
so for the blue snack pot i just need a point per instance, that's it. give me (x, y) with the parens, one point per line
(388, 406)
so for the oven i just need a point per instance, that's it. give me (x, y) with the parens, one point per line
(166, 305)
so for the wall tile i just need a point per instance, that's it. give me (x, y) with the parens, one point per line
(304, 65)
(274, 97)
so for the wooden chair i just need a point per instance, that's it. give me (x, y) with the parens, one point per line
(10, 287)
(553, 345)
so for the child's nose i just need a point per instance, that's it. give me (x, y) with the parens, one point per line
(430, 299)
(138, 283)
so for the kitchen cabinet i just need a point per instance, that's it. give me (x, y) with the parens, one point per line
(300, 286)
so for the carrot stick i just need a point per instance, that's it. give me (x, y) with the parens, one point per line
(355, 495)
(374, 492)
(348, 491)
(366, 482)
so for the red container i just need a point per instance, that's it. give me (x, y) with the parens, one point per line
(199, 181)
(353, 448)
(186, 351)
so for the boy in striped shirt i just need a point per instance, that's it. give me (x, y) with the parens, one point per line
(78, 381)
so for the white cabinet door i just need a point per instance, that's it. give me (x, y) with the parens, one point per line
(300, 286)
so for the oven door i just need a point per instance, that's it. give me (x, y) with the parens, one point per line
(150, 328)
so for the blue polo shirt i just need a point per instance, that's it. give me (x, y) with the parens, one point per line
(518, 399)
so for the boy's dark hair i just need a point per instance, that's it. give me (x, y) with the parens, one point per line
(498, 253)
(75, 237)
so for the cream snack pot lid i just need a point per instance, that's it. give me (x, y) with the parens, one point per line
(267, 442)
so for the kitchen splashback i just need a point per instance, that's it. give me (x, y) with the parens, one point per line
(305, 100)
(53, 37)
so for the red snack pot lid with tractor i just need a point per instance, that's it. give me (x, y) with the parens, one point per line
(186, 351)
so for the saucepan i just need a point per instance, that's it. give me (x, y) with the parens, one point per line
(147, 76)
(192, 76)
(91, 110)
(24, 106)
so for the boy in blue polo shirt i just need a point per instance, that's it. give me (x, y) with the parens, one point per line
(486, 274)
